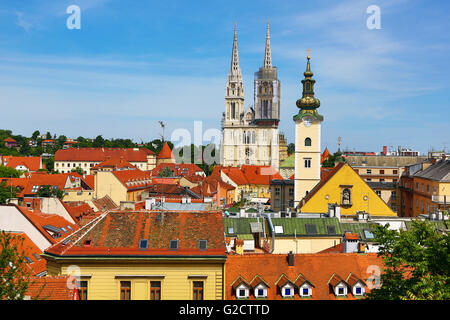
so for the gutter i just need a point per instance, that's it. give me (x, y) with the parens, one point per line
(267, 216)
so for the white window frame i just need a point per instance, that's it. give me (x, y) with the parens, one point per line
(336, 289)
(259, 287)
(238, 291)
(305, 286)
(287, 286)
(358, 285)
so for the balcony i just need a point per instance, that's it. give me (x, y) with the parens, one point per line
(440, 199)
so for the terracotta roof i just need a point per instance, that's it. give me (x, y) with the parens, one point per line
(118, 233)
(178, 169)
(324, 155)
(134, 179)
(42, 220)
(49, 288)
(167, 190)
(351, 236)
(31, 163)
(318, 269)
(77, 210)
(90, 180)
(101, 154)
(28, 249)
(115, 164)
(166, 152)
(260, 174)
(235, 174)
(9, 139)
(104, 204)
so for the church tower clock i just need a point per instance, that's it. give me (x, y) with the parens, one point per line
(307, 139)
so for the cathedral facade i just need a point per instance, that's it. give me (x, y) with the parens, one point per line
(250, 136)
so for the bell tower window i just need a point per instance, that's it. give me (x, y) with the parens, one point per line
(308, 142)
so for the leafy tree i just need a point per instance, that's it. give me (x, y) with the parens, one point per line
(417, 263)
(47, 191)
(35, 135)
(7, 172)
(166, 172)
(290, 148)
(98, 142)
(78, 170)
(49, 163)
(60, 141)
(6, 192)
(332, 159)
(14, 273)
(48, 136)
(25, 149)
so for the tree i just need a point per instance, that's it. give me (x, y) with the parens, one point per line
(78, 170)
(47, 191)
(290, 148)
(98, 142)
(417, 264)
(332, 159)
(6, 192)
(166, 172)
(7, 172)
(35, 135)
(14, 273)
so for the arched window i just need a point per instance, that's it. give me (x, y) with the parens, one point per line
(308, 142)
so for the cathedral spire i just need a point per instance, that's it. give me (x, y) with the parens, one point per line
(268, 52)
(235, 69)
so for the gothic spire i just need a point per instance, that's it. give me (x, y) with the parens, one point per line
(268, 52)
(235, 69)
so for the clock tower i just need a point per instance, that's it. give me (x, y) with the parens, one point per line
(307, 139)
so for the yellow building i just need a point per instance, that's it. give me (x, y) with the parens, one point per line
(307, 139)
(345, 188)
(125, 255)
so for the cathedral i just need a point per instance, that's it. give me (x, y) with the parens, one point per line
(250, 136)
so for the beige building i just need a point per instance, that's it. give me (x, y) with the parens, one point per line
(87, 158)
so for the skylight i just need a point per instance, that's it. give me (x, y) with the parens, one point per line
(28, 260)
(173, 245)
(311, 228)
(368, 234)
(278, 229)
(143, 244)
(331, 229)
(230, 230)
(202, 244)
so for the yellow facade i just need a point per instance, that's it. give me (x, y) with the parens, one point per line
(306, 178)
(304, 245)
(363, 198)
(176, 277)
(107, 184)
(78, 195)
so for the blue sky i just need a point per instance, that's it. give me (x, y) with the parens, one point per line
(133, 63)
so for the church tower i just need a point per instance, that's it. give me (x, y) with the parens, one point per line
(307, 139)
(234, 90)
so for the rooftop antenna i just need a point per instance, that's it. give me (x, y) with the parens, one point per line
(339, 139)
(162, 126)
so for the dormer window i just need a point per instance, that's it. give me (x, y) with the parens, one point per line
(340, 290)
(287, 291)
(260, 291)
(358, 290)
(242, 291)
(305, 291)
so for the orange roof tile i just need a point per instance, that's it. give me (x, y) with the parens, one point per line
(317, 269)
(101, 154)
(49, 288)
(134, 179)
(31, 163)
(166, 152)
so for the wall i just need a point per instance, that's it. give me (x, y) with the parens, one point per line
(107, 184)
(304, 245)
(103, 285)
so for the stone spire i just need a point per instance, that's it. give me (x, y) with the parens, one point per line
(268, 52)
(235, 70)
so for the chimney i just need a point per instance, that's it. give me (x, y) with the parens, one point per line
(384, 150)
(351, 242)
(290, 259)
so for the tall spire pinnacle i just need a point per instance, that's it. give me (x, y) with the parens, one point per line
(268, 52)
(235, 69)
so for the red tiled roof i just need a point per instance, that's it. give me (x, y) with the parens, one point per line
(134, 179)
(260, 174)
(104, 204)
(77, 210)
(90, 180)
(9, 139)
(317, 269)
(101, 154)
(114, 164)
(178, 169)
(235, 174)
(32, 163)
(27, 248)
(49, 288)
(119, 233)
(351, 236)
(39, 220)
(166, 152)
(324, 155)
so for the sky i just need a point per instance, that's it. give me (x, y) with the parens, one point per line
(134, 63)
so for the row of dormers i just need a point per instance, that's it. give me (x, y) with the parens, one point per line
(287, 288)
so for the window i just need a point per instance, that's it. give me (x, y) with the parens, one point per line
(230, 230)
(394, 171)
(83, 290)
(308, 142)
(277, 203)
(331, 229)
(242, 292)
(291, 203)
(28, 260)
(173, 245)
(143, 244)
(155, 290)
(381, 171)
(291, 192)
(287, 291)
(378, 192)
(202, 244)
(36, 256)
(125, 290)
(307, 162)
(346, 197)
(369, 171)
(198, 290)
(341, 291)
(310, 229)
